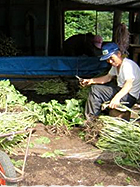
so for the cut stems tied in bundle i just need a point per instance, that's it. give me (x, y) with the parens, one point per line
(122, 138)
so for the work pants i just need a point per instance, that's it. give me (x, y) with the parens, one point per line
(102, 93)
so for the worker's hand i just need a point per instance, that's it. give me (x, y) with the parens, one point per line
(85, 82)
(114, 103)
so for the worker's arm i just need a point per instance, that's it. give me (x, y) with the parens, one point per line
(125, 89)
(98, 80)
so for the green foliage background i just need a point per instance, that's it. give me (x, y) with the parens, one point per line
(77, 22)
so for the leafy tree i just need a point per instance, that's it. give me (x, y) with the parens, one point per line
(105, 25)
(86, 21)
(77, 22)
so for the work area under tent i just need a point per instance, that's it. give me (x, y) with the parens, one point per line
(37, 27)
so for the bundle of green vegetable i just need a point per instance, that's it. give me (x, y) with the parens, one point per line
(9, 96)
(17, 114)
(13, 122)
(51, 86)
(122, 138)
(57, 115)
(14, 114)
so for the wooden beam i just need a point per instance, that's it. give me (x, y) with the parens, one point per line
(116, 20)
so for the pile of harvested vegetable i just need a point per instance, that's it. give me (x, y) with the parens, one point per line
(118, 136)
(18, 114)
(122, 138)
(51, 86)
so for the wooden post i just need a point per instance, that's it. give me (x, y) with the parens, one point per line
(116, 20)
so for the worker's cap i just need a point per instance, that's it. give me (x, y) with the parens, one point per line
(108, 50)
(98, 41)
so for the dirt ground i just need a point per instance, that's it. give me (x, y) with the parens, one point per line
(78, 165)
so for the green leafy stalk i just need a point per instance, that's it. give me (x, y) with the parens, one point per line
(121, 137)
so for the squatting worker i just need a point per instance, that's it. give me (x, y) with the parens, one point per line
(127, 89)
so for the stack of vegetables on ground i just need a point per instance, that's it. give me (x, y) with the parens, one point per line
(117, 136)
(14, 114)
(51, 86)
(17, 114)
(122, 138)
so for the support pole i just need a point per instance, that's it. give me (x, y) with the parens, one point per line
(116, 20)
(47, 26)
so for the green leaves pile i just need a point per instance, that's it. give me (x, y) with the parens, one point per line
(54, 113)
(122, 138)
(17, 114)
(68, 114)
(9, 96)
(51, 86)
(14, 115)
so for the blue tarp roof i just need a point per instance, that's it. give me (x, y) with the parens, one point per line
(46, 66)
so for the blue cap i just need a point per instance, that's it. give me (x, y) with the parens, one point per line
(108, 50)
